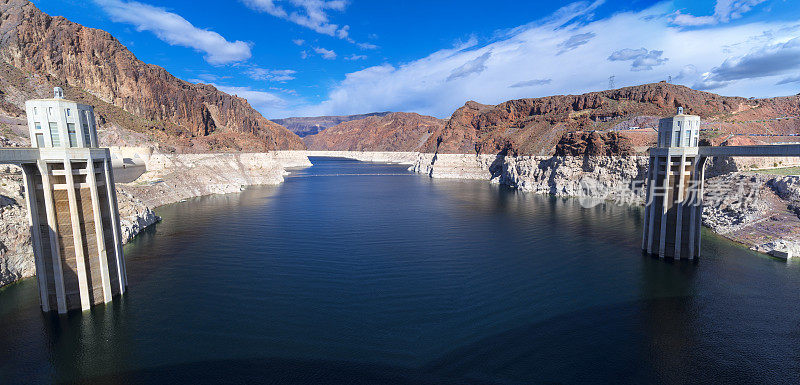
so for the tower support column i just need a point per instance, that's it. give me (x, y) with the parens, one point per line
(91, 179)
(117, 231)
(55, 253)
(29, 183)
(77, 238)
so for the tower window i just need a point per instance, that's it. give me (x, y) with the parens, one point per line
(55, 140)
(39, 139)
(73, 135)
(87, 138)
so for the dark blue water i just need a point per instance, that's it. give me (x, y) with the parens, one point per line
(393, 277)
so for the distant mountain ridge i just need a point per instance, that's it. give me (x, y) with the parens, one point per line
(534, 126)
(625, 117)
(41, 51)
(305, 126)
(397, 131)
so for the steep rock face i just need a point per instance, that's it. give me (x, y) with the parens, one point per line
(94, 61)
(594, 144)
(534, 126)
(761, 211)
(16, 252)
(312, 125)
(398, 131)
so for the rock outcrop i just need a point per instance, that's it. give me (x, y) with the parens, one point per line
(95, 67)
(312, 125)
(594, 144)
(397, 131)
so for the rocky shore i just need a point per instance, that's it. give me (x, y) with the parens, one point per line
(759, 210)
(169, 178)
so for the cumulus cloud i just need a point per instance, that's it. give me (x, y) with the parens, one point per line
(312, 14)
(257, 73)
(175, 30)
(575, 41)
(532, 83)
(326, 54)
(772, 60)
(527, 57)
(474, 66)
(641, 59)
(724, 11)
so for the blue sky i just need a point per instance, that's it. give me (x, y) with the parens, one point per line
(330, 57)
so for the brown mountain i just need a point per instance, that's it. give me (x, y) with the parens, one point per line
(38, 51)
(397, 131)
(305, 126)
(534, 126)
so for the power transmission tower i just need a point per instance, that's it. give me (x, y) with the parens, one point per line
(611, 82)
(669, 79)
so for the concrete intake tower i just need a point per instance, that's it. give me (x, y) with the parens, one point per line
(675, 181)
(72, 206)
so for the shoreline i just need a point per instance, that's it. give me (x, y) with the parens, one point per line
(765, 224)
(169, 178)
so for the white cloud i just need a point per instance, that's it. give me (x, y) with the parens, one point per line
(267, 103)
(474, 66)
(298, 41)
(772, 60)
(355, 57)
(312, 14)
(531, 83)
(575, 41)
(175, 30)
(641, 59)
(442, 81)
(325, 53)
(367, 46)
(724, 11)
(257, 73)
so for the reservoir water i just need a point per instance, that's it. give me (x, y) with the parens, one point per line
(354, 272)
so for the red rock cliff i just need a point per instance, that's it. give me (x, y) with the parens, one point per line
(534, 126)
(94, 61)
